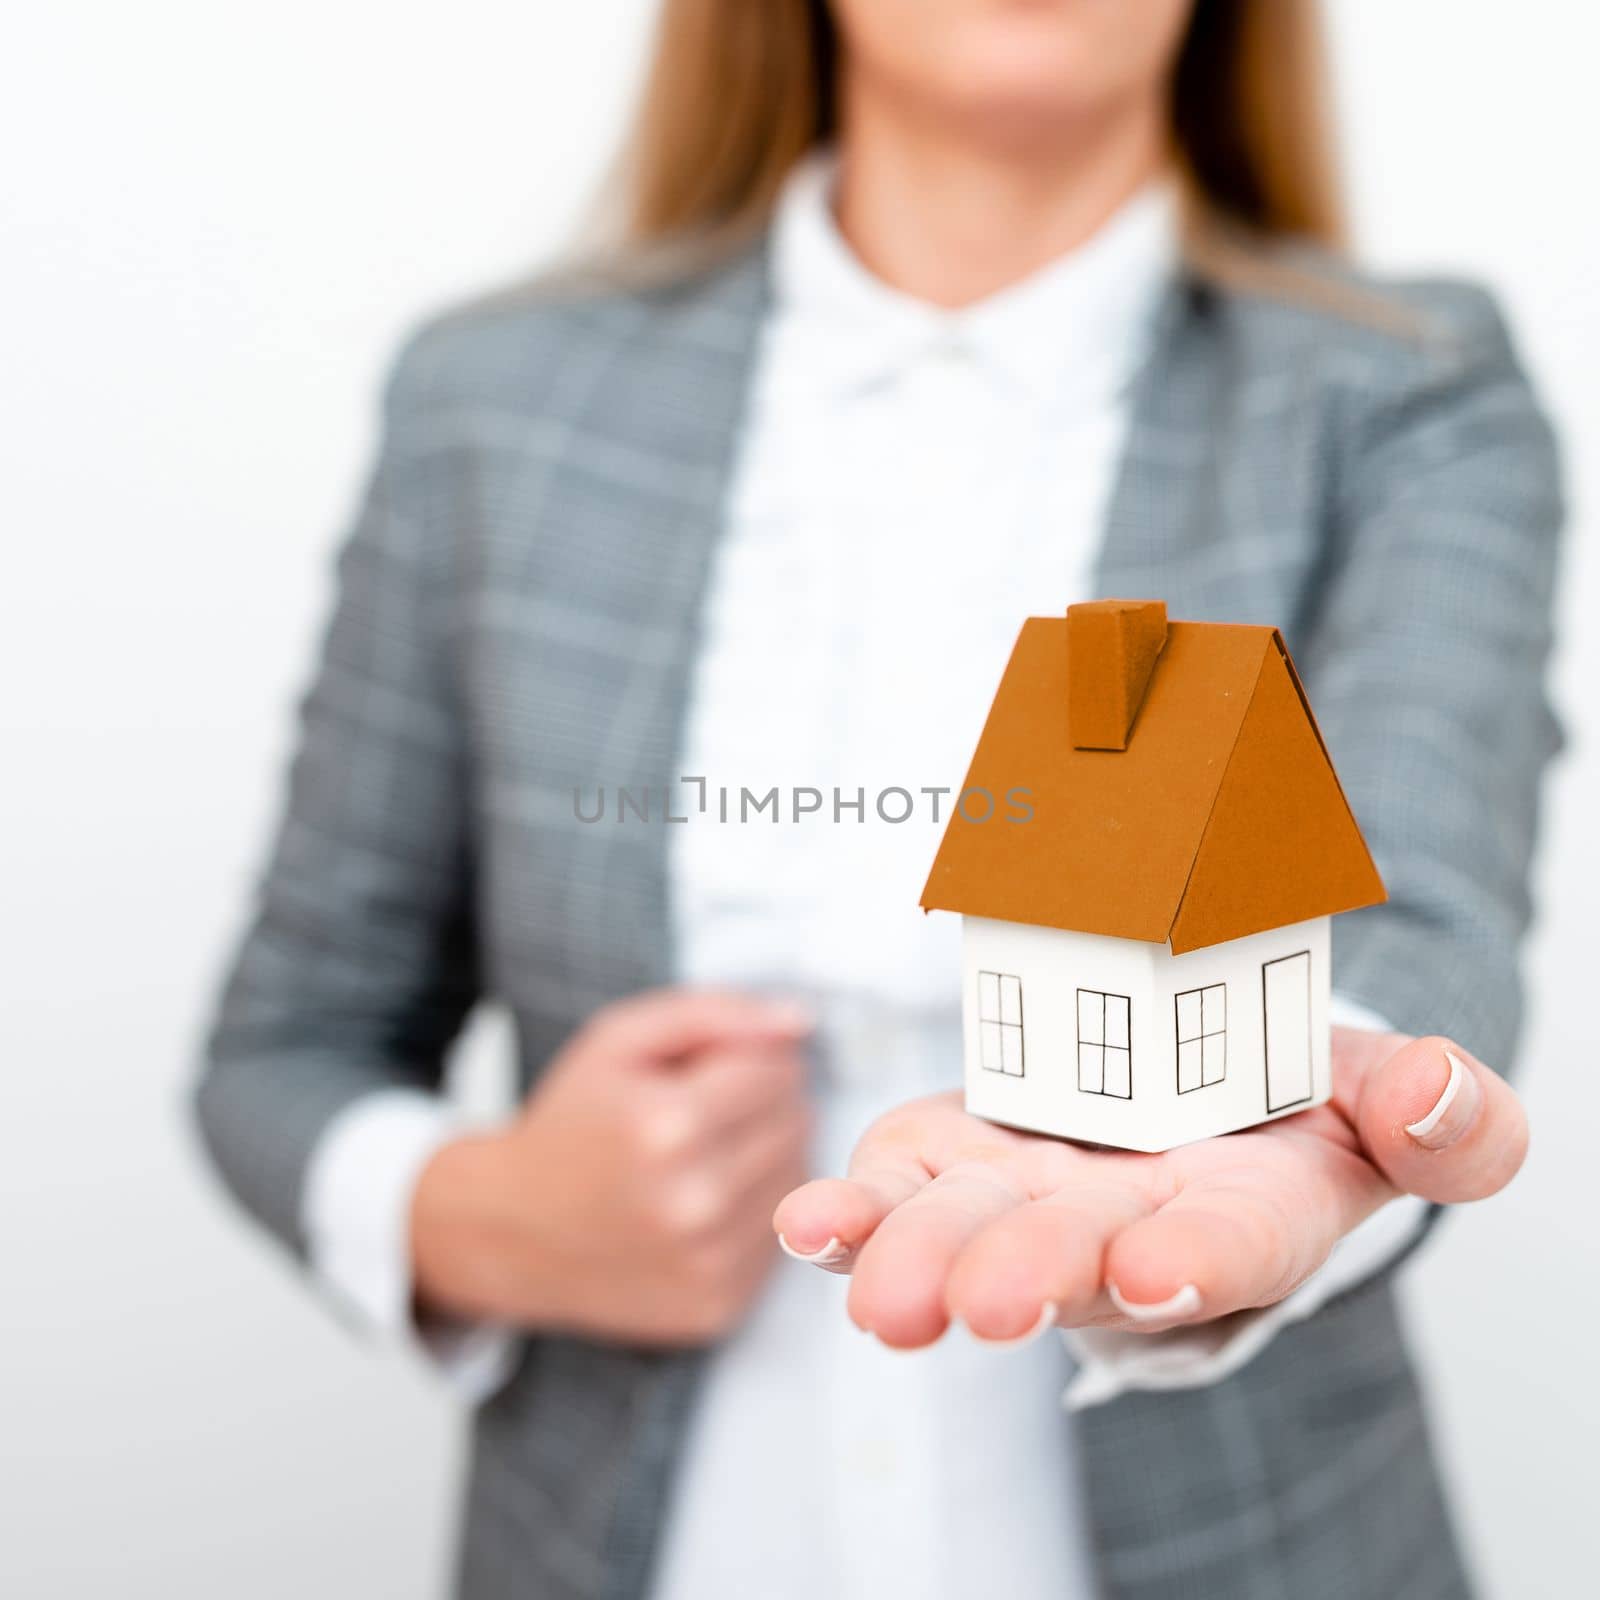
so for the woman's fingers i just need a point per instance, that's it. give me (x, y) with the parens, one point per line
(1041, 1263)
(664, 1025)
(826, 1222)
(735, 1087)
(1251, 1218)
(1440, 1124)
(897, 1289)
(1216, 1247)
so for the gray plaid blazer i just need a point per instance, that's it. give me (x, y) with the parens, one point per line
(517, 617)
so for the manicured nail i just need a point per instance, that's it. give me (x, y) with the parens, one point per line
(1453, 1112)
(1047, 1320)
(1185, 1303)
(830, 1255)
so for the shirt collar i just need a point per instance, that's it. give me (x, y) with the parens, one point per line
(1081, 323)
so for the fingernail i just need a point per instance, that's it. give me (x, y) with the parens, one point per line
(830, 1255)
(1185, 1303)
(1453, 1112)
(1047, 1320)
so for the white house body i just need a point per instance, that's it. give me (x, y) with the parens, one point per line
(1120, 1042)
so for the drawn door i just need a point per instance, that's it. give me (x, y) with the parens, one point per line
(1286, 1005)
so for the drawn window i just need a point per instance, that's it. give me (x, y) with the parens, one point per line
(1104, 1058)
(1202, 1022)
(1000, 1023)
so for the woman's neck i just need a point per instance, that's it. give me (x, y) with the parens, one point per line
(951, 220)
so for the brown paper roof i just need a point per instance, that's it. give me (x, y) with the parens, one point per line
(1222, 817)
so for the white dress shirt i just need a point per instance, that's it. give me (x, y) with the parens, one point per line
(910, 484)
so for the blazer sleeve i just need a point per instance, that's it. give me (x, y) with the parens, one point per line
(1427, 657)
(358, 967)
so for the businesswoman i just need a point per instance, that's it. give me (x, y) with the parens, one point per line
(921, 317)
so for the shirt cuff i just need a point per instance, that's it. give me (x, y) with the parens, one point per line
(1111, 1363)
(355, 1214)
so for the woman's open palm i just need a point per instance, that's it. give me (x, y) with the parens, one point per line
(946, 1216)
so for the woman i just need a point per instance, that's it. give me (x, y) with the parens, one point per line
(928, 317)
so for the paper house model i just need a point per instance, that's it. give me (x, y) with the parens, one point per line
(1145, 921)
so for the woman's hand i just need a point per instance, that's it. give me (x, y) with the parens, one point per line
(946, 1216)
(630, 1198)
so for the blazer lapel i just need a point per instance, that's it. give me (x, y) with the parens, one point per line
(1160, 510)
(1214, 508)
(601, 611)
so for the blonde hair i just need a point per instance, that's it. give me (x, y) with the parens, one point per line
(740, 90)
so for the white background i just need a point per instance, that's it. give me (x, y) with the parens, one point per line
(215, 221)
